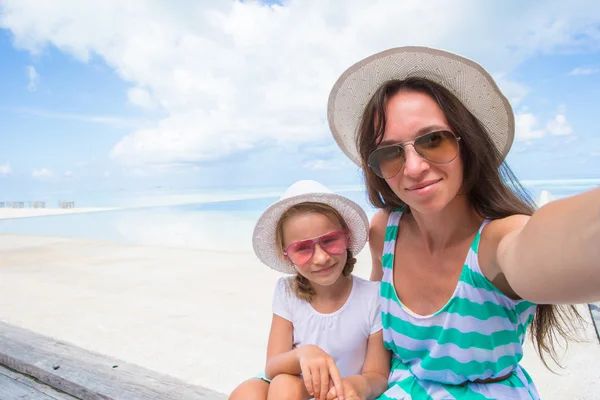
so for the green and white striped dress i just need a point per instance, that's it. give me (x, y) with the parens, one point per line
(478, 334)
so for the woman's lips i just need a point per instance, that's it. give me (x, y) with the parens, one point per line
(424, 187)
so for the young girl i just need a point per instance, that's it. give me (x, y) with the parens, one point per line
(326, 336)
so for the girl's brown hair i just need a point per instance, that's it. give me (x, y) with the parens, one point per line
(489, 185)
(301, 286)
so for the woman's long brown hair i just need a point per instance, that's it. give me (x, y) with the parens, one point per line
(489, 185)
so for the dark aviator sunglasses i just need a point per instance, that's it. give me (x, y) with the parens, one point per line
(440, 147)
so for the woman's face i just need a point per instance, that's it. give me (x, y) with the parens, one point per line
(426, 187)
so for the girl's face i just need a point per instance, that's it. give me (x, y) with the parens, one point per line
(423, 185)
(324, 268)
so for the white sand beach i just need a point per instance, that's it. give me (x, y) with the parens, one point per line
(199, 316)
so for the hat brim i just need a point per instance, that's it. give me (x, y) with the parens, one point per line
(264, 238)
(467, 80)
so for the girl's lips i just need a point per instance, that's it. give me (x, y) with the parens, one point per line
(324, 271)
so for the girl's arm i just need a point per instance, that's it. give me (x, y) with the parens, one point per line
(376, 368)
(281, 358)
(374, 378)
(552, 257)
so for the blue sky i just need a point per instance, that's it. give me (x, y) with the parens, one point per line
(233, 94)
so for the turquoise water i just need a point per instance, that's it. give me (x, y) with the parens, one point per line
(206, 220)
(210, 220)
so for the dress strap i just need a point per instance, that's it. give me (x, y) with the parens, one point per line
(391, 233)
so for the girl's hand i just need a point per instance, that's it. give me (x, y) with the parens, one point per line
(317, 367)
(350, 391)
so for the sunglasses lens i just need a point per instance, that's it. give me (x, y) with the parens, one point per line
(387, 161)
(300, 252)
(334, 243)
(438, 147)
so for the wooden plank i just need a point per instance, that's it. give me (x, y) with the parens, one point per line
(87, 375)
(33, 384)
(12, 390)
(595, 313)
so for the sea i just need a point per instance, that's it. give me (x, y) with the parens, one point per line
(208, 219)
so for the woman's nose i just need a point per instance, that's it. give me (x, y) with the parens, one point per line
(414, 163)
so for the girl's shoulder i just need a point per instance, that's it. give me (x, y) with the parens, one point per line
(366, 304)
(284, 287)
(366, 288)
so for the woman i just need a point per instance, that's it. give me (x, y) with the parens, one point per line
(465, 260)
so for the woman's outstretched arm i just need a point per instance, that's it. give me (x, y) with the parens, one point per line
(552, 257)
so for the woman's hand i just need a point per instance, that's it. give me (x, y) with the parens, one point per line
(317, 368)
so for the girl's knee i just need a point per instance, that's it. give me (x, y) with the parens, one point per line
(287, 387)
(252, 389)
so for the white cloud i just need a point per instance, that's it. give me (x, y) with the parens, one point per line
(33, 77)
(559, 126)
(139, 172)
(5, 169)
(42, 174)
(515, 92)
(328, 150)
(324, 164)
(232, 75)
(584, 71)
(316, 164)
(97, 119)
(140, 97)
(68, 173)
(526, 127)
(323, 157)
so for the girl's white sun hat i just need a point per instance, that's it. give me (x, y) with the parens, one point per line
(264, 238)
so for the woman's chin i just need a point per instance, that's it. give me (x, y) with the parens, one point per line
(432, 206)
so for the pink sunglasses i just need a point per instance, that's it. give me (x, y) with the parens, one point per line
(302, 251)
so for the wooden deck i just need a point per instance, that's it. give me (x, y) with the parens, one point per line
(35, 367)
(595, 313)
(18, 386)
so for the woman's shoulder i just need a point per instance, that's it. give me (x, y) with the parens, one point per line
(511, 221)
(496, 229)
(493, 242)
(380, 218)
(378, 227)
(379, 223)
